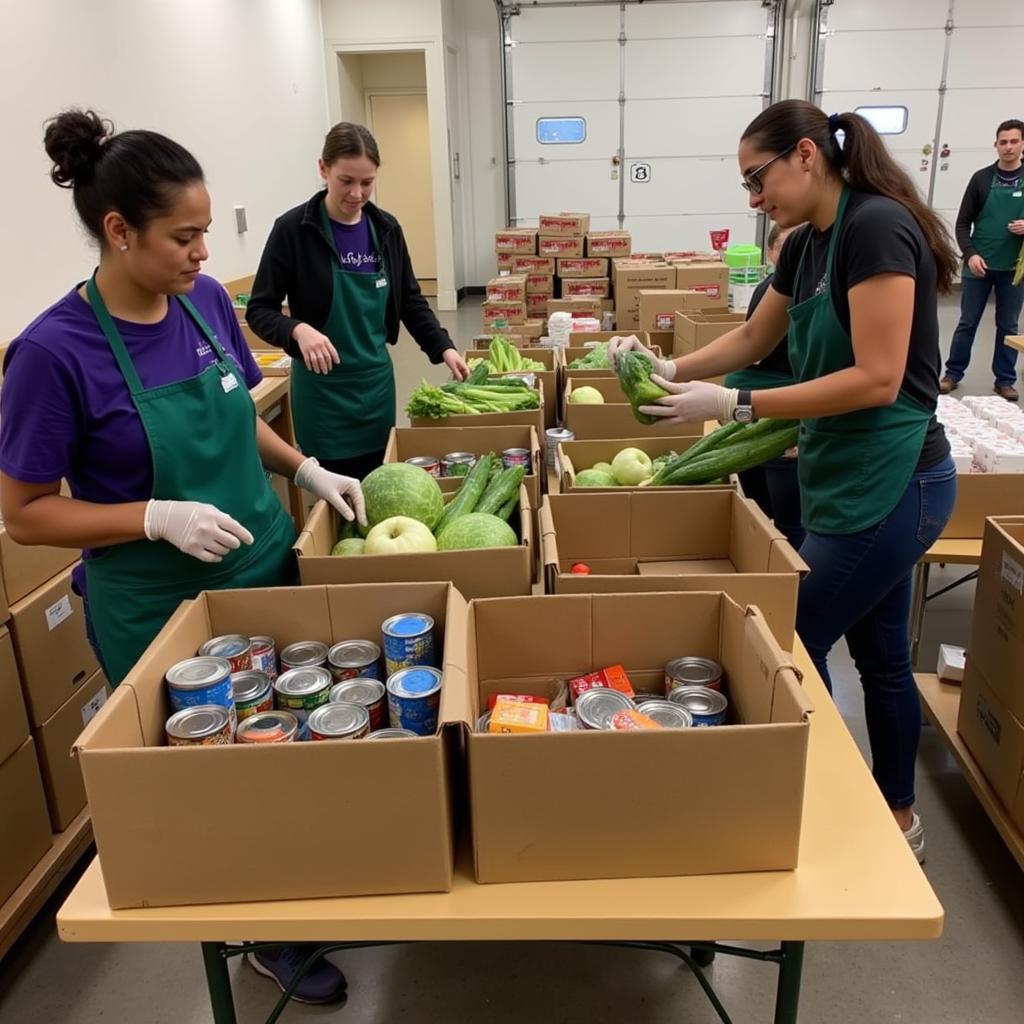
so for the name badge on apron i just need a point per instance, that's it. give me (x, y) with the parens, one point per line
(229, 382)
(382, 282)
(1018, 194)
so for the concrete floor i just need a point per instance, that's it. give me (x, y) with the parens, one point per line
(972, 974)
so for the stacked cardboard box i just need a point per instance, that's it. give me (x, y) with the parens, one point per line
(632, 276)
(512, 297)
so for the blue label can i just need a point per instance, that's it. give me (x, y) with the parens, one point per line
(202, 680)
(408, 641)
(706, 706)
(414, 699)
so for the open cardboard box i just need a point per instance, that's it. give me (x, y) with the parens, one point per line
(979, 495)
(679, 538)
(477, 572)
(524, 418)
(693, 329)
(224, 824)
(548, 377)
(578, 352)
(665, 802)
(614, 419)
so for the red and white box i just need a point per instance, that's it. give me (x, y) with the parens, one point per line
(609, 243)
(511, 288)
(586, 288)
(516, 241)
(586, 266)
(533, 264)
(568, 224)
(560, 246)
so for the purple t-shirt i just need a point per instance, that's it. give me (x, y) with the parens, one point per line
(65, 409)
(355, 246)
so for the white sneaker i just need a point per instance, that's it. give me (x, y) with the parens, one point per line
(915, 838)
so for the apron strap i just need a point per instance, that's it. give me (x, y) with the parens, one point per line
(832, 242)
(113, 336)
(203, 326)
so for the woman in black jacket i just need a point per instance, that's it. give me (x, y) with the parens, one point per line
(343, 265)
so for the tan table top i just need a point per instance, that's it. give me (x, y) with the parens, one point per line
(958, 551)
(856, 880)
(1015, 341)
(268, 391)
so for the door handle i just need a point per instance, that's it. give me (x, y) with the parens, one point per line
(456, 168)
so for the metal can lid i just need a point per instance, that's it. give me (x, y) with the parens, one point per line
(299, 681)
(560, 434)
(523, 453)
(460, 457)
(304, 653)
(353, 654)
(422, 460)
(416, 681)
(196, 723)
(645, 698)
(393, 734)
(595, 708)
(408, 624)
(249, 685)
(341, 719)
(198, 673)
(667, 714)
(268, 727)
(262, 644)
(699, 700)
(693, 671)
(227, 646)
(359, 691)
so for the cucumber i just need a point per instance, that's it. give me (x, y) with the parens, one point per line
(501, 490)
(734, 458)
(468, 495)
(702, 447)
(509, 507)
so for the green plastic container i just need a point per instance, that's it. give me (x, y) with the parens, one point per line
(745, 264)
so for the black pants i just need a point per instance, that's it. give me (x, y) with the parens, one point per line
(776, 490)
(358, 466)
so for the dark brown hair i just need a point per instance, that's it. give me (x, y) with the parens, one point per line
(863, 161)
(1009, 126)
(136, 173)
(347, 139)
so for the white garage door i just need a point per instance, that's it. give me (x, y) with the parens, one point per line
(633, 113)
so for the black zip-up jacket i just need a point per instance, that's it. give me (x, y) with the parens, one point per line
(296, 264)
(970, 208)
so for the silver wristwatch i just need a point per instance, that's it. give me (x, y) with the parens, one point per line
(744, 411)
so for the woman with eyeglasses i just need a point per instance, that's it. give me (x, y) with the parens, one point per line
(856, 289)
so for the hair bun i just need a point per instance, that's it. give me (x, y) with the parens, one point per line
(74, 141)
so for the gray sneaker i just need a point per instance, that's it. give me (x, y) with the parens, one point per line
(915, 838)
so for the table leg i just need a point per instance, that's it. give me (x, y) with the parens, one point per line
(218, 981)
(787, 996)
(921, 573)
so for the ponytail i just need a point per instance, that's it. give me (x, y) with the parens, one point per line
(862, 160)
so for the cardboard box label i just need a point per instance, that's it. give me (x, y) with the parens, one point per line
(58, 612)
(91, 707)
(1013, 573)
(557, 245)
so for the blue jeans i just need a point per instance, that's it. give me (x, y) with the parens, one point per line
(774, 487)
(974, 292)
(859, 587)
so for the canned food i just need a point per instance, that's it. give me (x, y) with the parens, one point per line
(665, 713)
(594, 708)
(512, 457)
(693, 672)
(426, 462)
(199, 681)
(553, 437)
(483, 722)
(302, 690)
(457, 463)
(354, 659)
(203, 725)
(370, 693)
(235, 647)
(253, 692)
(264, 655)
(392, 734)
(706, 706)
(269, 727)
(341, 721)
(408, 641)
(563, 721)
(304, 654)
(414, 699)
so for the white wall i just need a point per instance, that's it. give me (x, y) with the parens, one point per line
(351, 87)
(239, 82)
(394, 71)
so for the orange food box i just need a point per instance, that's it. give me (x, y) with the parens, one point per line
(613, 678)
(521, 698)
(513, 716)
(626, 720)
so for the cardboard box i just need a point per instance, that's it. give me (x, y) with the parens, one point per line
(25, 835)
(609, 243)
(658, 341)
(482, 340)
(701, 301)
(516, 241)
(658, 308)
(273, 362)
(571, 224)
(627, 321)
(626, 814)
(575, 456)
(533, 264)
(687, 256)
(510, 312)
(408, 442)
(537, 305)
(586, 287)
(979, 495)
(693, 330)
(533, 329)
(577, 307)
(505, 262)
(524, 418)
(950, 667)
(510, 288)
(589, 266)
(226, 824)
(54, 656)
(26, 567)
(55, 738)
(13, 718)
(575, 352)
(479, 572)
(540, 284)
(629, 278)
(549, 380)
(614, 419)
(710, 278)
(673, 539)
(559, 246)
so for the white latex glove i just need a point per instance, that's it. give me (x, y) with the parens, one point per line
(693, 402)
(631, 343)
(200, 530)
(343, 492)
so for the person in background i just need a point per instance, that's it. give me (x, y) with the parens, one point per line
(773, 485)
(856, 289)
(343, 265)
(990, 232)
(134, 387)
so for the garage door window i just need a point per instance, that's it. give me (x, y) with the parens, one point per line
(885, 120)
(560, 131)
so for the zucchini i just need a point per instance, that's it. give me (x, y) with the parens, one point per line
(501, 491)
(702, 447)
(468, 495)
(509, 507)
(479, 373)
(733, 459)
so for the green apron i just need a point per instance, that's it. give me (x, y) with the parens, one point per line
(202, 441)
(754, 379)
(350, 410)
(991, 236)
(854, 467)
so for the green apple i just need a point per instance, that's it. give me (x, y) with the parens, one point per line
(399, 535)
(632, 466)
(604, 467)
(349, 546)
(586, 396)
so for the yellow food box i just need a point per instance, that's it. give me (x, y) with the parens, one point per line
(515, 716)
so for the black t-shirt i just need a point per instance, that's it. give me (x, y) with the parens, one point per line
(777, 360)
(878, 236)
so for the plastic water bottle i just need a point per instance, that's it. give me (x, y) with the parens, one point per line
(559, 328)
(607, 320)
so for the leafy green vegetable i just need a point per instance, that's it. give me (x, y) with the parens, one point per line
(595, 359)
(452, 399)
(634, 371)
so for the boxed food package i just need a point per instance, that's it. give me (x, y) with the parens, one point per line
(577, 306)
(28, 566)
(537, 305)
(657, 308)
(559, 246)
(633, 821)
(630, 276)
(351, 811)
(710, 278)
(540, 284)
(511, 288)
(533, 264)
(509, 312)
(506, 262)
(567, 224)
(679, 538)
(589, 266)
(586, 287)
(533, 329)
(516, 241)
(609, 243)
(25, 836)
(13, 718)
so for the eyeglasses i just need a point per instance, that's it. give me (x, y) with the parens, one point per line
(752, 181)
